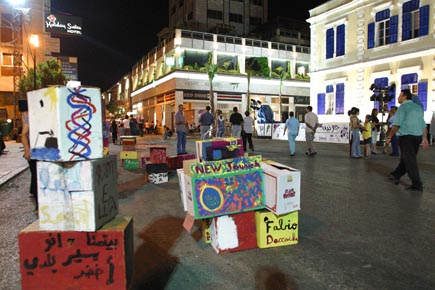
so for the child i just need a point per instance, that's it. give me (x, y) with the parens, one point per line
(367, 136)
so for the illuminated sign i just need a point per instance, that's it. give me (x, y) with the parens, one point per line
(63, 24)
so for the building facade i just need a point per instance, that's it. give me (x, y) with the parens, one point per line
(364, 52)
(270, 69)
(17, 55)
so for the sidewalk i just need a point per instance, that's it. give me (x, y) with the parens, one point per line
(12, 161)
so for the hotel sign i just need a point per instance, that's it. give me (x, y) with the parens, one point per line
(63, 24)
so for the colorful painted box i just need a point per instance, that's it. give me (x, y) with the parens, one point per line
(205, 230)
(157, 172)
(128, 140)
(183, 190)
(276, 230)
(176, 162)
(235, 232)
(131, 164)
(158, 154)
(77, 196)
(219, 148)
(65, 123)
(282, 186)
(77, 260)
(128, 155)
(222, 187)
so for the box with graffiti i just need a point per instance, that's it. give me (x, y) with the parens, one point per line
(276, 230)
(282, 187)
(53, 260)
(219, 148)
(77, 196)
(65, 123)
(226, 186)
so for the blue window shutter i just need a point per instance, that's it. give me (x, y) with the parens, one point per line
(321, 104)
(406, 26)
(424, 20)
(371, 35)
(394, 24)
(422, 94)
(393, 100)
(330, 43)
(339, 99)
(341, 39)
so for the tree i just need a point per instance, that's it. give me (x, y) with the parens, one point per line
(282, 76)
(211, 69)
(48, 73)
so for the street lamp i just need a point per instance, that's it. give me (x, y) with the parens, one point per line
(34, 41)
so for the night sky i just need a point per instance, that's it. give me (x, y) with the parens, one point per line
(116, 34)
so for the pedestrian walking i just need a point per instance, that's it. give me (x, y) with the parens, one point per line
(114, 130)
(410, 126)
(126, 125)
(248, 124)
(311, 124)
(394, 139)
(220, 124)
(375, 131)
(367, 135)
(356, 128)
(33, 190)
(236, 120)
(206, 119)
(292, 128)
(181, 129)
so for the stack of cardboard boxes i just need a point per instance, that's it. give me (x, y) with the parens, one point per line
(79, 241)
(244, 202)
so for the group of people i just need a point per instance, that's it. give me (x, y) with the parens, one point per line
(241, 127)
(130, 126)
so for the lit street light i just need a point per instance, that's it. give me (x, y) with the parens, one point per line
(34, 41)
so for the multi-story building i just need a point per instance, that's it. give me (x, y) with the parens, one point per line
(18, 23)
(174, 72)
(364, 52)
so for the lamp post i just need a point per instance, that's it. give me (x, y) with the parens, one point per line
(34, 41)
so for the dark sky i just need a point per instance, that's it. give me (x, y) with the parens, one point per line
(116, 34)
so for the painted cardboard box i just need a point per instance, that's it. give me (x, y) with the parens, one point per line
(183, 190)
(158, 154)
(55, 260)
(282, 186)
(157, 172)
(77, 196)
(219, 148)
(176, 161)
(276, 230)
(128, 140)
(65, 123)
(131, 164)
(235, 232)
(222, 187)
(205, 230)
(128, 155)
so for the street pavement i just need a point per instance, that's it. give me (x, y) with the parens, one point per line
(357, 230)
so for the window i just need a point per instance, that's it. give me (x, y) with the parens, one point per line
(335, 41)
(255, 20)
(7, 64)
(6, 27)
(332, 102)
(410, 81)
(214, 14)
(415, 20)
(238, 18)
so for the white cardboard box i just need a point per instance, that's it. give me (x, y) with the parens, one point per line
(182, 183)
(282, 186)
(77, 196)
(65, 124)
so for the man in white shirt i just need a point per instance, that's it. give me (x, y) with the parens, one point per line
(311, 124)
(126, 123)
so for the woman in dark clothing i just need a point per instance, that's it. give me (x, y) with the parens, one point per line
(114, 129)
